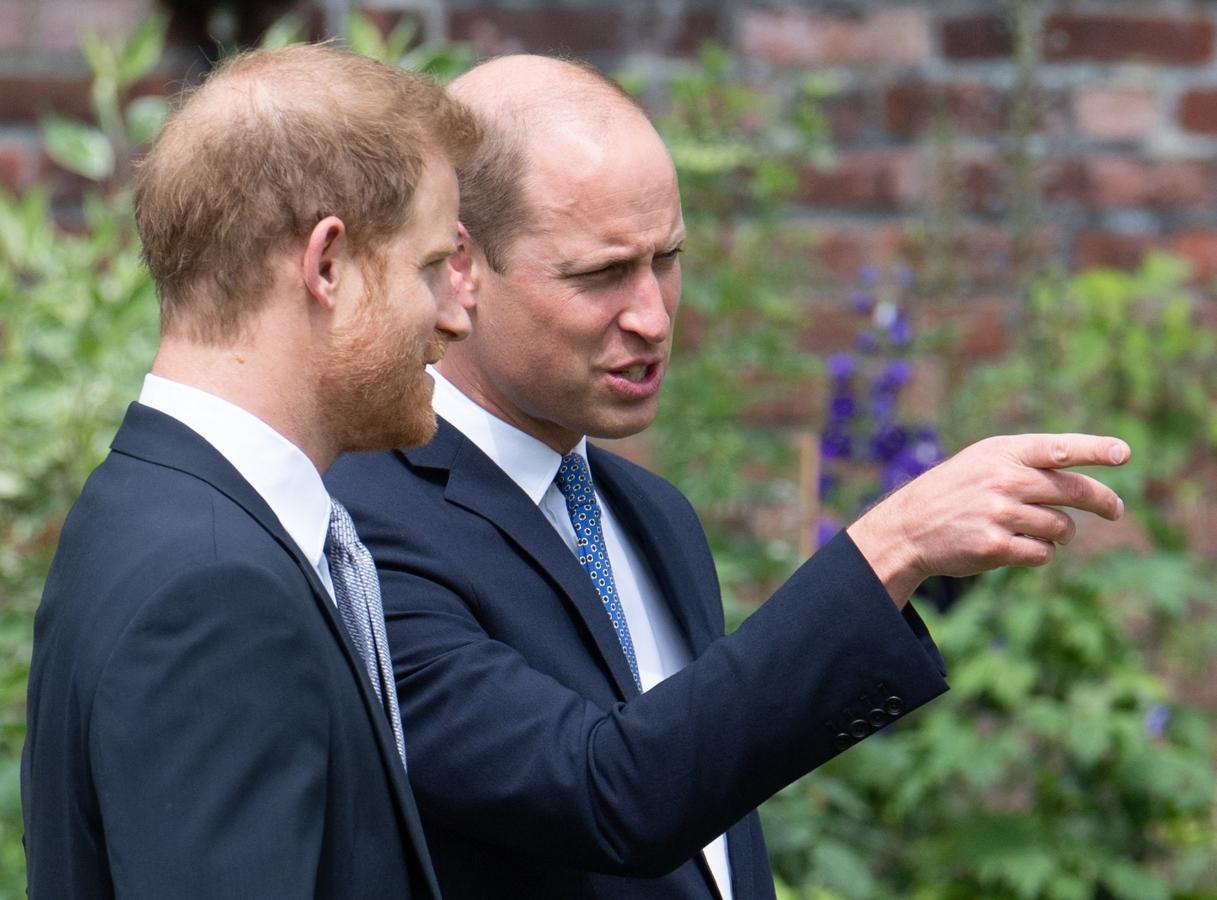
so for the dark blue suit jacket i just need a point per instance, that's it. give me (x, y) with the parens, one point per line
(199, 725)
(539, 769)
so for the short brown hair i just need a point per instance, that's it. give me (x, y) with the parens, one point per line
(273, 142)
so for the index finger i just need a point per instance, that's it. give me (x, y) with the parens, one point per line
(1061, 451)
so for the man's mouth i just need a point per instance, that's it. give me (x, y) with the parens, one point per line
(634, 373)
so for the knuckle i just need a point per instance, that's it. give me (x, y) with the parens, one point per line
(1058, 451)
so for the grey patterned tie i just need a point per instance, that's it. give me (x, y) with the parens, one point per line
(357, 592)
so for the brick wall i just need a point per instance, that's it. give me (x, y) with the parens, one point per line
(1125, 108)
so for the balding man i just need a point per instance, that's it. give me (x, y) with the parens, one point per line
(211, 706)
(577, 736)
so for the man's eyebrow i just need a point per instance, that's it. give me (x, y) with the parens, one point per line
(593, 262)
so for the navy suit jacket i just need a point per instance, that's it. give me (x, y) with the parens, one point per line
(199, 724)
(539, 769)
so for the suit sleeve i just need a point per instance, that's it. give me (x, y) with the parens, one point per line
(209, 742)
(505, 753)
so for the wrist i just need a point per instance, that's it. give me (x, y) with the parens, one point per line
(889, 555)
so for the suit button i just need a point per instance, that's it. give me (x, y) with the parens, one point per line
(842, 741)
(878, 718)
(893, 705)
(859, 729)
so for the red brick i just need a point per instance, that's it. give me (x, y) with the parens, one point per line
(18, 163)
(1198, 110)
(1117, 250)
(16, 19)
(847, 116)
(1063, 180)
(1183, 184)
(839, 251)
(1199, 248)
(910, 107)
(895, 36)
(26, 97)
(678, 34)
(60, 23)
(977, 37)
(1115, 38)
(495, 31)
(1109, 181)
(866, 179)
(1118, 113)
(980, 325)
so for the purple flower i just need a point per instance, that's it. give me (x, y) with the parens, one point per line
(862, 302)
(904, 466)
(901, 332)
(887, 442)
(841, 366)
(826, 529)
(827, 483)
(882, 406)
(868, 274)
(895, 375)
(1157, 717)
(835, 443)
(842, 407)
(867, 342)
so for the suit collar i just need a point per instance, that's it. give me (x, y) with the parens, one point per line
(661, 543)
(160, 439)
(480, 486)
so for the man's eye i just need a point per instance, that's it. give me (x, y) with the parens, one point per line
(671, 255)
(612, 270)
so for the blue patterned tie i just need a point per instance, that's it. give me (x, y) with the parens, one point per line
(357, 594)
(575, 482)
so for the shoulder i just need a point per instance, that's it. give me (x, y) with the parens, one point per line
(623, 475)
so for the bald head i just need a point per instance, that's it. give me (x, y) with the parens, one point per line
(523, 102)
(271, 143)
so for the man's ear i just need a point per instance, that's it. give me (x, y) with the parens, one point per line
(466, 269)
(326, 260)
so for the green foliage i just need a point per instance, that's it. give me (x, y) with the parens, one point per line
(737, 150)
(95, 151)
(1056, 767)
(443, 61)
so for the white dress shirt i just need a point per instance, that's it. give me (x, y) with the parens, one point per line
(532, 465)
(274, 467)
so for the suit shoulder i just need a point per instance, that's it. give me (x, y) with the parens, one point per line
(654, 486)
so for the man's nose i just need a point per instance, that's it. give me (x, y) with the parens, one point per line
(453, 320)
(647, 313)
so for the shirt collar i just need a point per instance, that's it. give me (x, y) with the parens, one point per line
(275, 467)
(528, 462)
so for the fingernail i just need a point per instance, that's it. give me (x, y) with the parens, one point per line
(1119, 507)
(1119, 453)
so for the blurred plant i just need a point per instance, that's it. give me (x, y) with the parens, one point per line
(102, 152)
(866, 447)
(738, 148)
(400, 47)
(1057, 767)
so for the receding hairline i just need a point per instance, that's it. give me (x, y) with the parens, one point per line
(528, 93)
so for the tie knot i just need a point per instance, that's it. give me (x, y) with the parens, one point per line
(573, 476)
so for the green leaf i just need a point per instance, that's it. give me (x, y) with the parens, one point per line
(284, 31)
(364, 38)
(400, 38)
(142, 50)
(145, 116)
(78, 148)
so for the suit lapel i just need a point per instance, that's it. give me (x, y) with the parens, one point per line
(660, 543)
(477, 484)
(154, 437)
